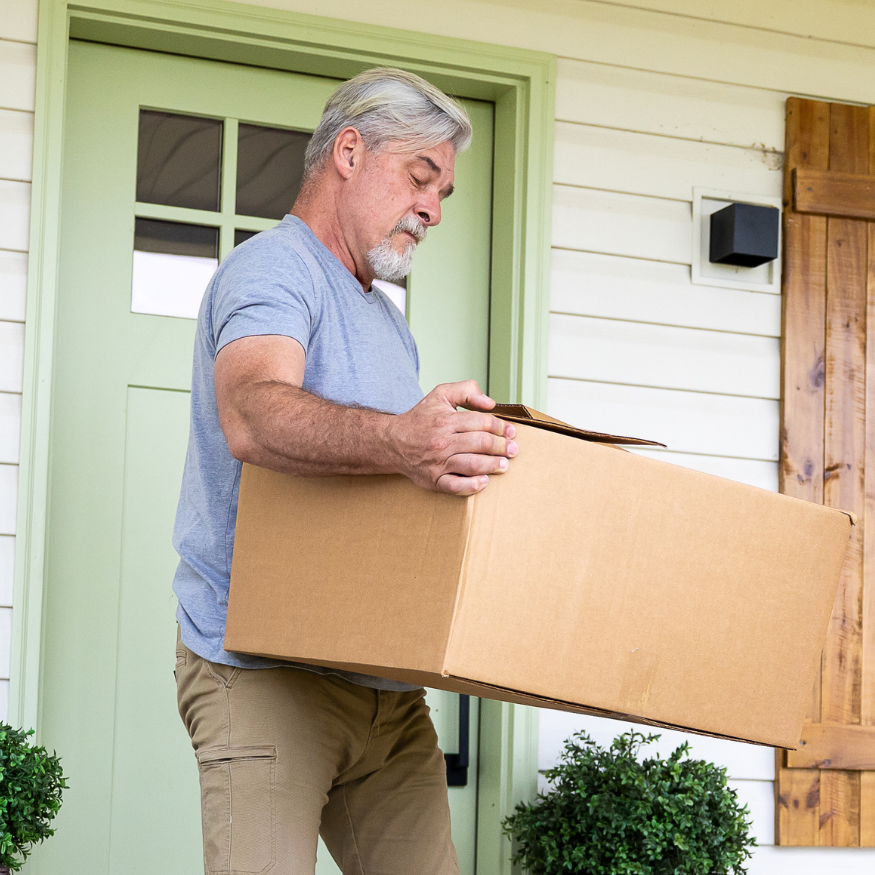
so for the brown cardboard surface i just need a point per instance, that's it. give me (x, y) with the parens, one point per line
(583, 579)
(333, 550)
(487, 691)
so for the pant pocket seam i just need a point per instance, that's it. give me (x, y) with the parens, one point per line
(227, 773)
(225, 683)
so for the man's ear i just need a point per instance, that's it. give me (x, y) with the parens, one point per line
(348, 148)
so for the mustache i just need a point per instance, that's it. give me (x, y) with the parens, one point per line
(411, 226)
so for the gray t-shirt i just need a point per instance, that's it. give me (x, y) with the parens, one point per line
(359, 352)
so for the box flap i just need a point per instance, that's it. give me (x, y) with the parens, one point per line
(530, 416)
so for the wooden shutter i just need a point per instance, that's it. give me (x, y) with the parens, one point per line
(825, 790)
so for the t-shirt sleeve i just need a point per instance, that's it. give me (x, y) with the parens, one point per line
(257, 296)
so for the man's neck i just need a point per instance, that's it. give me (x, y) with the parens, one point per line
(328, 231)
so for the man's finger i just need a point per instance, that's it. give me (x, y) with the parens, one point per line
(483, 422)
(456, 485)
(481, 443)
(473, 465)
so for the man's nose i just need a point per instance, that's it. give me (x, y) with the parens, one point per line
(429, 211)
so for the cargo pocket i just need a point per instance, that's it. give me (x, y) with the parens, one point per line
(237, 807)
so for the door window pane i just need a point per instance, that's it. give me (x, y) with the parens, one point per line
(270, 167)
(396, 293)
(178, 160)
(173, 263)
(240, 236)
(176, 238)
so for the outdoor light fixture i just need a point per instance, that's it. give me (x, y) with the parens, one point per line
(744, 235)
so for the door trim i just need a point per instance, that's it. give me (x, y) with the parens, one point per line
(521, 83)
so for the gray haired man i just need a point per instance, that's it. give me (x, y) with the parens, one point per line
(296, 357)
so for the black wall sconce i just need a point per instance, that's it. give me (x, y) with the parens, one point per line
(745, 235)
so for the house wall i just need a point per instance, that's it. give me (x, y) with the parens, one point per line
(17, 75)
(652, 99)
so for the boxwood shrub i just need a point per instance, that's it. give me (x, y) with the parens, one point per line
(609, 812)
(31, 782)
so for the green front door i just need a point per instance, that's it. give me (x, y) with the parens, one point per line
(176, 158)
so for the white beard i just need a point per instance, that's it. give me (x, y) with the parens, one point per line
(386, 262)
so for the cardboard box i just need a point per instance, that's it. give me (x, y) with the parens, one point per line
(584, 579)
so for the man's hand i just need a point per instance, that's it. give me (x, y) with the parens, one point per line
(446, 450)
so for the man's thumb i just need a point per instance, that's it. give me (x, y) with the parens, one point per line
(468, 394)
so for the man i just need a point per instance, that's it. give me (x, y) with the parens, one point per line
(297, 357)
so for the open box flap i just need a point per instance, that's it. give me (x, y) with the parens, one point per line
(530, 416)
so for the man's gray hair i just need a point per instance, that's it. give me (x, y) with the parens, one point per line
(385, 104)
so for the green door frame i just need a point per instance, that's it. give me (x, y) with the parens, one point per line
(520, 83)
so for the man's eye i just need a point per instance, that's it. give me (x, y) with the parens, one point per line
(419, 182)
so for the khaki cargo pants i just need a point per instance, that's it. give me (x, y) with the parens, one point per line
(286, 754)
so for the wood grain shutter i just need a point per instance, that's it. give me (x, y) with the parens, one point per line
(825, 791)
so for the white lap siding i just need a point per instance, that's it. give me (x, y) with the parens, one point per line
(635, 347)
(17, 77)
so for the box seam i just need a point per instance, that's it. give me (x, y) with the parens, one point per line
(463, 579)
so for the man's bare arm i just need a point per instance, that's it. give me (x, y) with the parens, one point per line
(270, 421)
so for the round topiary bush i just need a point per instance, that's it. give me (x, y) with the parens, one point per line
(611, 814)
(31, 782)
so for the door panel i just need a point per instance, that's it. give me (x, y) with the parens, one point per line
(151, 752)
(119, 430)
